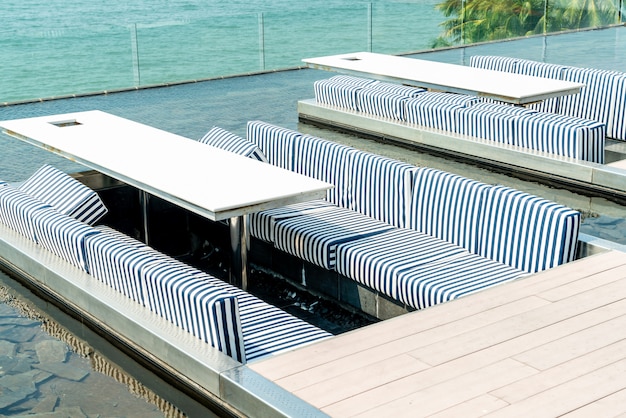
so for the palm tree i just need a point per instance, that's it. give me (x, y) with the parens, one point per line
(486, 20)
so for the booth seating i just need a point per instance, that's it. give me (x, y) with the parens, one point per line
(417, 235)
(529, 128)
(603, 98)
(229, 319)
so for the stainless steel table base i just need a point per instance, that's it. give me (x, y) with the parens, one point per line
(239, 243)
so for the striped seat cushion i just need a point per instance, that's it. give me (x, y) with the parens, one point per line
(314, 236)
(526, 232)
(16, 211)
(447, 206)
(486, 121)
(397, 89)
(275, 142)
(431, 284)
(187, 298)
(377, 260)
(326, 161)
(268, 330)
(117, 260)
(65, 194)
(382, 104)
(496, 63)
(62, 235)
(220, 138)
(562, 135)
(263, 224)
(380, 187)
(433, 114)
(334, 93)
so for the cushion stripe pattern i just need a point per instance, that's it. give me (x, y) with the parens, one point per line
(376, 261)
(184, 297)
(447, 206)
(526, 232)
(220, 138)
(381, 103)
(432, 114)
(314, 236)
(334, 93)
(441, 282)
(263, 224)
(65, 194)
(17, 209)
(275, 142)
(326, 161)
(490, 62)
(380, 187)
(62, 235)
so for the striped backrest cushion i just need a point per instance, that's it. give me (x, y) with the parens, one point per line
(16, 210)
(433, 114)
(324, 160)
(447, 206)
(220, 138)
(381, 103)
(496, 63)
(562, 135)
(353, 81)
(184, 296)
(275, 142)
(393, 88)
(338, 94)
(450, 98)
(380, 187)
(62, 235)
(544, 70)
(616, 125)
(65, 194)
(525, 231)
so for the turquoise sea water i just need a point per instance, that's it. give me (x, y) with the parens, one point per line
(56, 47)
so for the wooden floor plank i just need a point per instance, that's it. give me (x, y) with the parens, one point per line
(584, 284)
(477, 407)
(612, 405)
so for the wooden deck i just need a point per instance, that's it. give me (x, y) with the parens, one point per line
(548, 345)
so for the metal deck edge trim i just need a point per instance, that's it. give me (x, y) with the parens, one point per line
(598, 177)
(177, 353)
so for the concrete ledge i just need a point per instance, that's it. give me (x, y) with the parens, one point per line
(602, 179)
(217, 378)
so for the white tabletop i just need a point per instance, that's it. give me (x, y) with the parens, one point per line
(507, 87)
(211, 182)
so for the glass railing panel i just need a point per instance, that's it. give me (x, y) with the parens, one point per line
(568, 15)
(45, 63)
(291, 36)
(182, 51)
(404, 27)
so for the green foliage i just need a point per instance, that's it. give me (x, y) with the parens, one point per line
(473, 21)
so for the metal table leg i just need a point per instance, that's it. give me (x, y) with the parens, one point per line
(144, 200)
(239, 243)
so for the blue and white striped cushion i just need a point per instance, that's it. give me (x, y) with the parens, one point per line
(382, 104)
(526, 232)
(433, 114)
(616, 125)
(324, 160)
(496, 63)
(562, 135)
(65, 194)
(220, 138)
(353, 81)
(594, 100)
(117, 260)
(447, 206)
(62, 235)
(187, 298)
(314, 236)
(263, 224)
(397, 89)
(16, 211)
(449, 98)
(338, 94)
(275, 142)
(487, 124)
(377, 261)
(268, 330)
(380, 187)
(429, 285)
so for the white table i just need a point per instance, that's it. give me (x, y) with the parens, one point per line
(208, 181)
(507, 87)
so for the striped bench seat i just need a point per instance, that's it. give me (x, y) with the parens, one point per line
(65, 194)
(377, 260)
(430, 284)
(491, 121)
(17, 209)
